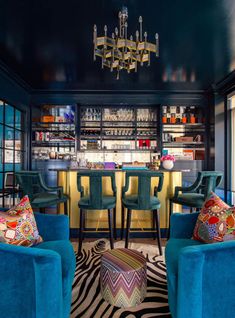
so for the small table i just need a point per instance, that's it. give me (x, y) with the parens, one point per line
(123, 277)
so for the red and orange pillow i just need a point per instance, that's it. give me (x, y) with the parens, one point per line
(216, 221)
(18, 225)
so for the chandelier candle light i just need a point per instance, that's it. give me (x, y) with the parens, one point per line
(119, 52)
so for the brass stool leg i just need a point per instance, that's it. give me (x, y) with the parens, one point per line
(81, 231)
(158, 231)
(128, 224)
(110, 217)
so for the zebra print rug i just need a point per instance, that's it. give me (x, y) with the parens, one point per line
(87, 301)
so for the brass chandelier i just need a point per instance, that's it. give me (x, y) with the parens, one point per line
(119, 52)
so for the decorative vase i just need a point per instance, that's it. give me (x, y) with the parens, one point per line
(168, 164)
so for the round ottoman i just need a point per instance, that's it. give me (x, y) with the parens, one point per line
(123, 277)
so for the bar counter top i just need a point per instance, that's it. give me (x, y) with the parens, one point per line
(116, 170)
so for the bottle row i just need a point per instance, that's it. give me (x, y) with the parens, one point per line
(181, 115)
(118, 132)
(53, 136)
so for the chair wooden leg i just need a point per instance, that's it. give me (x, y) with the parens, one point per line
(158, 231)
(191, 210)
(110, 217)
(128, 224)
(153, 224)
(84, 226)
(81, 231)
(114, 224)
(122, 221)
(169, 221)
(66, 208)
(42, 210)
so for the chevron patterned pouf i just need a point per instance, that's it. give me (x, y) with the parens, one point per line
(123, 277)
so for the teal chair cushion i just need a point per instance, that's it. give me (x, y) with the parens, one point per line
(66, 252)
(131, 202)
(108, 202)
(45, 199)
(190, 199)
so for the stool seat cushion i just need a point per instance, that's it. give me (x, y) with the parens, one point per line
(123, 277)
(131, 202)
(108, 202)
(190, 199)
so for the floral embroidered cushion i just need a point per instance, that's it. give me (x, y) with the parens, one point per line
(18, 225)
(216, 221)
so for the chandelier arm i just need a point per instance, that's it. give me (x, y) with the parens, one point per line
(119, 52)
(141, 21)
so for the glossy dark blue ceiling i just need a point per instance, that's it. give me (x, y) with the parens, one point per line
(49, 43)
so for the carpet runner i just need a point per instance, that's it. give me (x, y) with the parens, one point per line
(86, 298)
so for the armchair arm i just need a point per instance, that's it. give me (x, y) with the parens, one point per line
(205, 272)
(113, 184)
(34, 277)
(158, 188)
(126, 186)
(79, 185)
(182, 225)
(51, 189)
(52, 227)
(193, 188)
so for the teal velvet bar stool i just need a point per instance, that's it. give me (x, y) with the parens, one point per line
(195, 195)
(41, 196)
(142, 200)
(96, 200)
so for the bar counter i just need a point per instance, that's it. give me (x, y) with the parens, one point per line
(97, 220)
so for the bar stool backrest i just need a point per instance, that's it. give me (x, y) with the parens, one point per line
(209, 181)
(30, 182)
(144, 186)
(95, 186)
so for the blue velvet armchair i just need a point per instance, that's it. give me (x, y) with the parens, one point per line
(36, 282)
(200, 277)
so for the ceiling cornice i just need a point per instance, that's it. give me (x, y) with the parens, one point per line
(13, 77)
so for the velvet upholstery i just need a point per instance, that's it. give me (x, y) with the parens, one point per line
(36, 282)
(143, 200)
(200, 277)
(41, 196)
(196, 194)
(96, 200)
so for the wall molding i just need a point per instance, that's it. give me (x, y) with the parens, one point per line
(226, 85)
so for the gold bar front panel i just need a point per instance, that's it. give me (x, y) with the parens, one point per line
(97, 219)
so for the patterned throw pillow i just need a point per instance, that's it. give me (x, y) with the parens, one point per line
(18, 225)
(216, 221)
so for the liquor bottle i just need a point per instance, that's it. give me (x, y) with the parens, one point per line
(178, 115)
(173, 119)
(168, 114)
